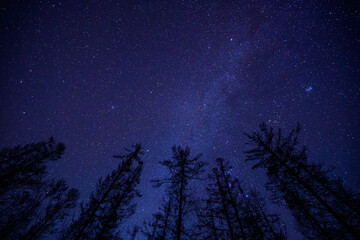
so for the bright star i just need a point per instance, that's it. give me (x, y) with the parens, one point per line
(309, 89)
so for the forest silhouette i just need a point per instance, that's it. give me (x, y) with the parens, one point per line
(34, 206)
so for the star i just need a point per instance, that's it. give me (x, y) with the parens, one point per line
(202, 81)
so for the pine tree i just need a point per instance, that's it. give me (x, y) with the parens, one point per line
(182, 170)
(230, 213)
(133, 232)
(111, 203)
(261, 224)
(24, 167)
(151, 227)
(27, 220)
(323, 207)
(226, 204)
(25, 191)
(161, 225)
(60, 201)
(208, 226)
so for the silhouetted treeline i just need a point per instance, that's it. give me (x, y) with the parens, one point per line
(162, 223)
(322, 206)
(230, 213)
(182, 171)
(111, 203)
(34, 206)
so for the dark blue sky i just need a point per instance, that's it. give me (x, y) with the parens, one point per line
(102, 75)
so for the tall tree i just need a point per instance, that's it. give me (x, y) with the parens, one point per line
(133, 232)
(222, 193)
(182, 170)
(161, 225)
(60, 201)
(261, 224)
(150, 228)
(111, 203)
(24, 167)
(230, 213)
(323, 207)
(28, 221)
(208, 226)
(25, 191)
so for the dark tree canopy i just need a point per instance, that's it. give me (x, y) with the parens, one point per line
(31, 205)
(229, 213)
(182, 170)
(111, 203)
(60, 202)
(35, 206)
(24, 167)
(162, 224)
(322, 207)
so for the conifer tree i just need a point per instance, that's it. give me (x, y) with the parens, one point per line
(25, 191)
(27, 221)
(111, 203)
(232, 214)
(208, 225)
(182, 170)
(261, 225)
(24, 167)
(161, 225)
(151, 227)
(322, 206)
(60, 201)
(133, 232)
(227, 206)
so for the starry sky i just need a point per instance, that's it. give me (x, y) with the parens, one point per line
(103, 75)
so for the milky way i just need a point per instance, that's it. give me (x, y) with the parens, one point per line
(102, 75)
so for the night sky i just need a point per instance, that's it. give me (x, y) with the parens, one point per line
(103, 75)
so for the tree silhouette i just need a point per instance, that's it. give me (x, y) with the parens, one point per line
(111, 203)
(25, 191)
(261, 225)
(133, 232)
(323, 207)
(182, 170)
(226, 205)
(60, 202)
(232, 214)
(24, 167)
(160, 227)
(208, 226)
(151, 227)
